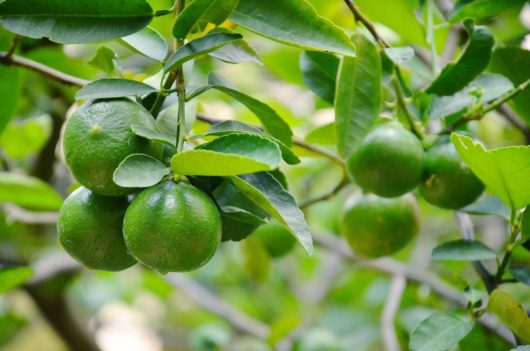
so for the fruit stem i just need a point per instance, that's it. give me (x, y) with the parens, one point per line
(414, 124)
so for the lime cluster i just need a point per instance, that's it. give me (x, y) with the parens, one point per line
(389, 163)
(170, 227)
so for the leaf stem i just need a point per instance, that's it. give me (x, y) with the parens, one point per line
(359, 17)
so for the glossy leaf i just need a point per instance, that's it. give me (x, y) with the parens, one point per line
(320, 73)
(488, 205)
(479, 9)
(144, 125)
(113, 88)
(267, 192)
(487, 86)
(512, 62)
(232, 154)
(439, 332)
(237, 52)
(104, 59)
(212, 11)
(463, 250)
(400, 55)
(270, 119)
(13, 277)
(505, 171)
(25, 137)
(230, 127)
(292, 22)
(139, 171)
(10, 86)
(149, 43)
(358, 96)
(504, 306)
(200, 46)
(475, 58)
(74, 22)
(521, 274)
(29, 192)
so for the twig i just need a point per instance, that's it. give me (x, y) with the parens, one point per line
(388, 331)
(510, 116)
(466, 229)
(24, 216)
(394, 267)
(344, 182)
(359, 17)
(445, 7)
(42, 69)
(214, 304)
(413, 123)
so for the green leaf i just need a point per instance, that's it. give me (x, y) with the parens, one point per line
(149, 43)
(28, 192)
(397, 15)
(10, 86)
(479, 9)
(521, 274)
(267, 192)
(12, 277)
(505, 171)
(231, 154)
(25, 137)
(200, 46)
(292, 22)
(231, 127)
(10, 326)
(512, 62)
(75, 22)
(475, 58)
(139, 171)
(113, 88)
(212, 11)
(358, 97)
(400, 55)
(326, 135)
(504, 306)
(320, 73)
(104, 59)
(439, 332)
(463, 250)
(237, 52)
(271, 121)
(487, 85)
(488, 205)
(256, 259)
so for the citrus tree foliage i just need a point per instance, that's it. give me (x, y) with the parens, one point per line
(338, 175)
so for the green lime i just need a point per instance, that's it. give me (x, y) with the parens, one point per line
(97, 138)
(448, 182)
(278, 241)
(172, 227)
(375, 226)
(388, 162)
(90, 230)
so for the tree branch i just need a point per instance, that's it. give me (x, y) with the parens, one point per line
(388, 331)
(394, 267)
(466, 229)
(359, 17)
(214, 304)
(38, 67)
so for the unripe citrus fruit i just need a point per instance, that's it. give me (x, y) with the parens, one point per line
(278, 241)
(172, 227)
(388, 162)
(448, 182)
(97, 138)
(375, 226)
(90, 230)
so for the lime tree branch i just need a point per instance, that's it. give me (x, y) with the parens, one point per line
(390, 309)
(14, 60)
(393, 267)
(359, 17)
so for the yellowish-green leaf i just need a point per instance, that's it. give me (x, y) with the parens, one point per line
(506, 307)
